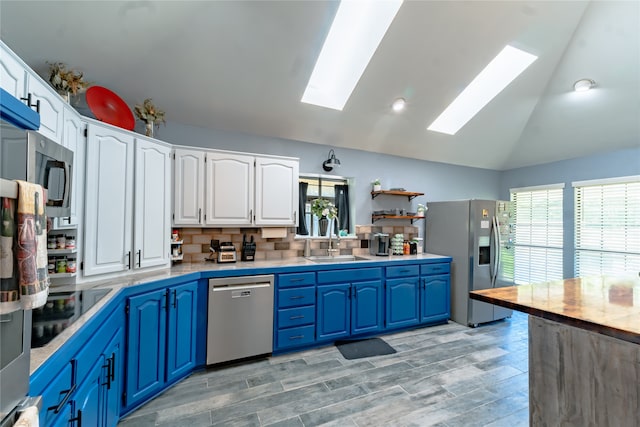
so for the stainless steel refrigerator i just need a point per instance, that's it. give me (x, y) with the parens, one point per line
(477, 234)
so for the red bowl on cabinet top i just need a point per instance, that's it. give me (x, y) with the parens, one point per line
(109, 107)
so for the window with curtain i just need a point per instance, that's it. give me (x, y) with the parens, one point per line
(335, 190)
(607, 226)
(538, 237)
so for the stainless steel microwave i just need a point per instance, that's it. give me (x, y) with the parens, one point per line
(29, 156)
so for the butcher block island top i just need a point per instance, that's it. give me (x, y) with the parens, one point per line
(605, 305)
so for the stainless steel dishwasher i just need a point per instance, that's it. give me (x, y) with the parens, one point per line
(240, 318)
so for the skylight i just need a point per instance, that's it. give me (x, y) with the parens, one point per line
(501, 71)
(356, 32)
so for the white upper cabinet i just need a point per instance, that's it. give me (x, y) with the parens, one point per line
(221, 188)
(229, 184)
(108, 200)
(276, 191)
(152, 194)
(51, 107)
(73, 139)
(188, 194)
(13, 74)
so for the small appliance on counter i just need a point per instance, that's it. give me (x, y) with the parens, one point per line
(379, 244)
(214, 247)
(248, 252)
(227, 252)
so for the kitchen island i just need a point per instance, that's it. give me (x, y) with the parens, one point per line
(584, 349)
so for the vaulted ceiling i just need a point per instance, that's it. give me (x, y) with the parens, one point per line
(243, 66)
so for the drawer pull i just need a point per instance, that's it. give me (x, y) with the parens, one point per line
(299, 279)
(296, 337)
(74, 369)
(296, 317)
(297, 297)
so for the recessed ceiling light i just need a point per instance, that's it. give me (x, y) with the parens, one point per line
(583, 85)
(398, 105)
(497, 75)
(356, 32)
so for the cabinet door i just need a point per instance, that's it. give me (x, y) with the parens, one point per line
(188, 192)
(73, 139)
(435, 298)
(276, 192)
(112, 385)
(152, 192)
(108, 201)
(402, 302)
(229, 189)
(181, 337)
(334, 311)
(146, 345)
(90, 396)
(51, 107)
(13, 75)
(366, 307)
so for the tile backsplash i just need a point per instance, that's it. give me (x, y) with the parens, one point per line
(196, 241)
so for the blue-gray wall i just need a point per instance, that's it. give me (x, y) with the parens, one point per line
(608, 165)
(439, 181)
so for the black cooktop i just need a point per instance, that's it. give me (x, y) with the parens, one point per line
(60, 311)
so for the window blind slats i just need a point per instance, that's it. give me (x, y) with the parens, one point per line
(538, 236)
(607, 235)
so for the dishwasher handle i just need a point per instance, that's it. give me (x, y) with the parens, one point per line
(222, 287)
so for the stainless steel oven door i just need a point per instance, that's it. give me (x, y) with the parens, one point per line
(15, 347)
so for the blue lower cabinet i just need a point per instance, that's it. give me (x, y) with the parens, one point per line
(161, 340)
(349, 309)
(367, 308)
(435, 298)
(402, 302)
(334, 311)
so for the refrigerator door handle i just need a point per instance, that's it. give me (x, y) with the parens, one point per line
(496, 257)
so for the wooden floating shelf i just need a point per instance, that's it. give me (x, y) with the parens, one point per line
(409, 194)
(374, 218)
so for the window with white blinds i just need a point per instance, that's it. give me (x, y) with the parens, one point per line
(607, 227)
(538, 233)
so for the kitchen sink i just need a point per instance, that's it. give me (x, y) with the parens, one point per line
(336, 258)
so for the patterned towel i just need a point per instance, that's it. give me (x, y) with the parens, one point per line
(30, 247)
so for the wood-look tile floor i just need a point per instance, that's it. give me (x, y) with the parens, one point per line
(447, 375)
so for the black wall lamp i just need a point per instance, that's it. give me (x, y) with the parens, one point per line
(331, 162)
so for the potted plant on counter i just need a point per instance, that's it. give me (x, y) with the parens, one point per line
(150, 115)
(324, 210)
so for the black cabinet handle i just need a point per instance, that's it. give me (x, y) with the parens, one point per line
(296, 337)
(297, 297)
(30, 105)
(167, 303)
(78, 418)
(56, 409)
(175, 298)
(295, 317)
(299, 279)
(111, 370)
(139, 256)
(129, 260)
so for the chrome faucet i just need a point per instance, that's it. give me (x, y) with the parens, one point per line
(330, 250)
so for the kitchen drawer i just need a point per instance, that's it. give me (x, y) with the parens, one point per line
(296, 336)
(297, 316)
(95, 346)
(296, 279)
(441, 268)
(296, 297)
(349, 275)
(403, 271)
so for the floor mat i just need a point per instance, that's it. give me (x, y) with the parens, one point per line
(364, 348)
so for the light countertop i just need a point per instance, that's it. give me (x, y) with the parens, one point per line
(41, 354)
(606, 305)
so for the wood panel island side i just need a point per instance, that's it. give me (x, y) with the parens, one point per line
(584, 349)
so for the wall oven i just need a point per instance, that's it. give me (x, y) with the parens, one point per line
(29, 156)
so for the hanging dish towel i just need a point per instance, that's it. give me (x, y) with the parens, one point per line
(31, 252)
(9, 289)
